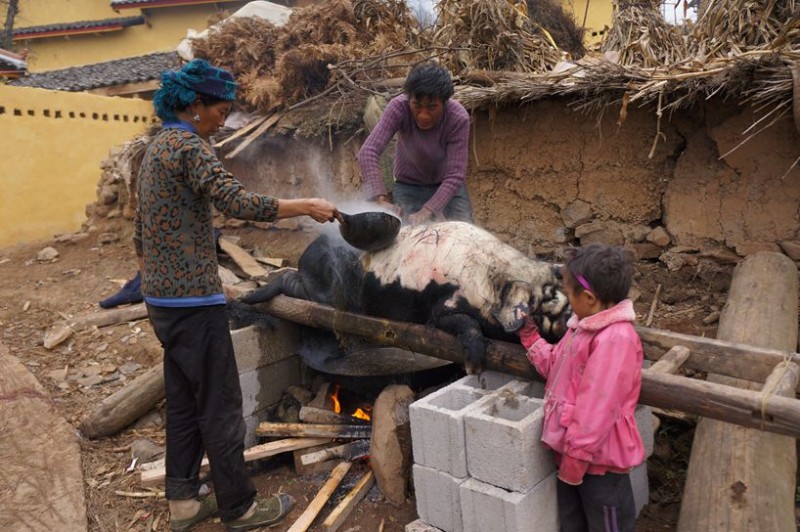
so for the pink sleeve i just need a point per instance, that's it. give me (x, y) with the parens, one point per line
(611, 372)
(541, 354)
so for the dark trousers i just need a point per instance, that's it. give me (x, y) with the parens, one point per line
(603, 503)
(411, 198)
(204, 406)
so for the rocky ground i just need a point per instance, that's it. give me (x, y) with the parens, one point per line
(40, 288)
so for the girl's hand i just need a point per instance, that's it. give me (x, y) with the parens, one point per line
(529, 332)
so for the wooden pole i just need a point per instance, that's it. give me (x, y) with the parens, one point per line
(303, 522)
(316, 430)
(717, 401)
(742, 479)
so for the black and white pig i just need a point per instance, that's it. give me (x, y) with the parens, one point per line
(451, 275)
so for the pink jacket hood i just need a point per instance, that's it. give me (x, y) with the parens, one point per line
(593, 382)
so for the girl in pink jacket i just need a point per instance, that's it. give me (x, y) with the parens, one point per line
(593, 381)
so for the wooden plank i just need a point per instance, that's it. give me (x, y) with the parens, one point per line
(725, 403)
(156, 475)
(339, 514)
(243, 131)
(741, 479)
(319, 430)
(242, 258)
(348, 451)
(272, 261)
(309, 514)
(671, 361)
(319, 467)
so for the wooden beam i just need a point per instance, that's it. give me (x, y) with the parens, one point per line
(671, 361)
(318, 430)
(339, 514)
(157, 475)
(309, 514)
(780, 414)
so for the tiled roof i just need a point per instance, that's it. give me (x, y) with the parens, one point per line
(118, 72)
(11, 64)
(71, 28)
(127, 4)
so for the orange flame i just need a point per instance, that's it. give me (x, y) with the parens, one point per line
(360, 413)
(337, 406)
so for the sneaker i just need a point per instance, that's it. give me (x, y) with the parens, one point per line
(267, 513)
(129, 293)
(208, 506)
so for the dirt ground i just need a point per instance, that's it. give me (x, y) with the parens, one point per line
(34, 294)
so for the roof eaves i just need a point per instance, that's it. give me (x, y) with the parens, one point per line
(72, 28)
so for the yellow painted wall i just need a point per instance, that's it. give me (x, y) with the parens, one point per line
(165, 28)
(596, 18)
(53, 143)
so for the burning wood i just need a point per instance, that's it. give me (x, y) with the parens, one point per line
(319, 430)
(309, 414)
(348, 451)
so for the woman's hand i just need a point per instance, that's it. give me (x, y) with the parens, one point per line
(384, 202)
(420, 217)
(322, 210)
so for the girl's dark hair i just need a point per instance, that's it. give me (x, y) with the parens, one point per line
(431, 80)
(607, 269)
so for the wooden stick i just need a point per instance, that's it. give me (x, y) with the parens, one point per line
(242, 258)
(262, 128)
(310, 414)
(339, 514)
(354, 432)
(243, 131)
(348, 451)
(653, 305)
(307, 517)
(156, 475)
(62, 330)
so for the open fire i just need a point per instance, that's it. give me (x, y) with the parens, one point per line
(360, 410)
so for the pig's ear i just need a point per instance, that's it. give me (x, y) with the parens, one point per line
(513, 305)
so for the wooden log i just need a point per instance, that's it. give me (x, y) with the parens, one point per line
(62, 330)
(339, 514)
(716, 401)
(319, 467)
(310, 414)
(348, 451)
(126, 405)
(156, 475)
(309, 514)
(738, 478)
(671, 361)
(353, 432)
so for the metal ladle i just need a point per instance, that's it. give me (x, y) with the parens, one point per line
(370, 231)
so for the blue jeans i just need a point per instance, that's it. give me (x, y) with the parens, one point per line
(411, 198)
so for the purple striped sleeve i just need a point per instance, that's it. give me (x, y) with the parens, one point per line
(373, 147)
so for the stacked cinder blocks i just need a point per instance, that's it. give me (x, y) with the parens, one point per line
(268, 364)
(479, 463)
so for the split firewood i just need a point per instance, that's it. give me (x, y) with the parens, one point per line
(243, 259)
(309, 514)
(156, 475)
(62, 330)
(348, 451)
(272, 261)
(339, 514)
(318, 430)
(310, 414)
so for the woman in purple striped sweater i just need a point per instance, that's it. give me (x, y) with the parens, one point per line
(430, 164)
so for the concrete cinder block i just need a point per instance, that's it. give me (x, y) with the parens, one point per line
(264, 386)
(487, 508)
(532, 389)
(421, 526)
(256, 347)
(437, 428)
(487, 381)
(644, 422)
(438, 498)
(640, 486)
(502, 436)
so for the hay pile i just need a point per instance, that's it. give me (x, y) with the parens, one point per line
(493, 35)
(642, 37)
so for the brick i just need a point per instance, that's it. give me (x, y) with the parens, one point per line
(488, 508)
(503, 444)
(438, 498)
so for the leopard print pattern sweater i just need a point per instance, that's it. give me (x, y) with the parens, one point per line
(179, 180)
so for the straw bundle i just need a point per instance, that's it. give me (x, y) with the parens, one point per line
(642, 37)
(551, 16)
(493, 35)
(241, 45)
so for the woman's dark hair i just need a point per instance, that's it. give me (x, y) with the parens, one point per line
(431, 80)
(608, 270)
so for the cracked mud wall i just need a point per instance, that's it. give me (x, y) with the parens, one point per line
(544, 175)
